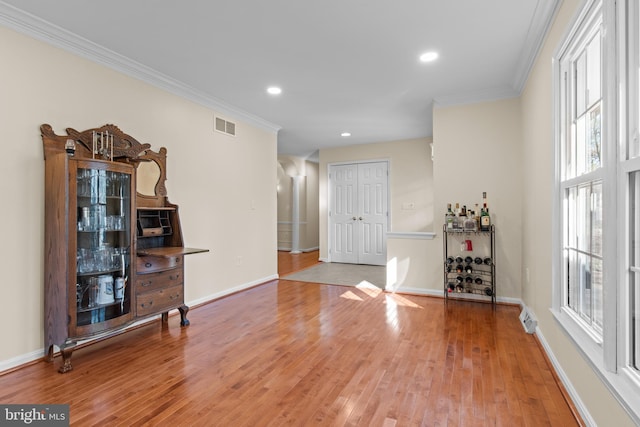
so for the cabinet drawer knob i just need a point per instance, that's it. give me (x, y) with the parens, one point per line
(147, 283)
(148, 264)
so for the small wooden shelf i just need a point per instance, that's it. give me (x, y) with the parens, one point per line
(157, 208)
(169, 251)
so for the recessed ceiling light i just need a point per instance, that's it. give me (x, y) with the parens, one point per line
(345, 134)
(274, 90)
(428, 56)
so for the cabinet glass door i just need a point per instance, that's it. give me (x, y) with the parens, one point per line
(103, 245)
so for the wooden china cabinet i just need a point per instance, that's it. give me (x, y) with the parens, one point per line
(113, 255)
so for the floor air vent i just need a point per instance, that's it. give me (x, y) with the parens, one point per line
(225, 126)
(528, 321)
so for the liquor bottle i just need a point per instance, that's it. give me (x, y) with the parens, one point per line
(485, 219)
(477, 216)
(469, 223)
(468, 269)
(456, 218)
(449, 217)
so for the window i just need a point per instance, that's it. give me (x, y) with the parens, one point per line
(597, 249)
(630, 182)
(581, 175)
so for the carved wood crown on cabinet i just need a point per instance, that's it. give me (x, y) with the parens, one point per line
(112, 256)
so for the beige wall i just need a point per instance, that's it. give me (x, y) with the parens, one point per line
(410, 181)
(478, 149)
(538, 172)
(225, 186)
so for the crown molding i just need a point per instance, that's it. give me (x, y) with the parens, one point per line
(544, 15)
(40, 29)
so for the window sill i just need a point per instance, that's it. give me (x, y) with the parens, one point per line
(622, 385)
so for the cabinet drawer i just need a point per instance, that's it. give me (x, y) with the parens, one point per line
(160, 300)
(162, 279)
(149, 264)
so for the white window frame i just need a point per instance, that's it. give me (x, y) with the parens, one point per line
(609, 355)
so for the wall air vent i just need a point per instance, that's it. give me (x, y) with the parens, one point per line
(225, 126)
(529, 322)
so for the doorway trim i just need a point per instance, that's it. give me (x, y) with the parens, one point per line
(330, 243)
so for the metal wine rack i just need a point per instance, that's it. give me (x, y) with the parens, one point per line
(480, 282)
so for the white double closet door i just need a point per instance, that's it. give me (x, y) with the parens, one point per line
(358, 213)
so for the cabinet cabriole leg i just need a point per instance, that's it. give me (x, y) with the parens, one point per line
(49, 355)
(66, 353)
(183, 315)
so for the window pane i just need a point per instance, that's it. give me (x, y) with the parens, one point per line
(570, 153)
(594, 154)
(570, 218)
(584, 282)
(596, 218)
(593, 70)
(583, 214)
(581, 85)
(634, 264)
(573, 284)
(597, 292)
(635, 319)
(581, 144)
(583, 251)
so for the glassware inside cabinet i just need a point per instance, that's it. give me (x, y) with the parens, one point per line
(103, 245)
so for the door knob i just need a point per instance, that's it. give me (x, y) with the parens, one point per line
(360, 218)
(354, 218)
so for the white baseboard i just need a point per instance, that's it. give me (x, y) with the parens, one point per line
(440, 293)
(582, 409)
(288, 249)
(21, 359)
(229, 291)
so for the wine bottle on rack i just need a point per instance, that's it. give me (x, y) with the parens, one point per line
(449, 217)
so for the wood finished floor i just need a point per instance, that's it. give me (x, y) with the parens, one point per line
(292, 353)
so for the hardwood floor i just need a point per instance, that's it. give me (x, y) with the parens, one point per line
(289, 263)
(299, 354)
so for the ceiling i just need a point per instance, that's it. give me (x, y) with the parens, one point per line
(343, 65)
